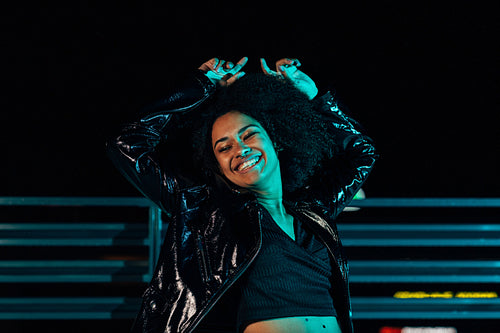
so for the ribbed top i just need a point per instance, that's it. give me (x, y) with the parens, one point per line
(288, 278)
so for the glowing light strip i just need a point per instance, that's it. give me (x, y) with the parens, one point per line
(418, 330)
(444, 294)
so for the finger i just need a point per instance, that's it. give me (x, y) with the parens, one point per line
(219, 66)
(235, 77)
(289, 72)
(280, 68)
(284, 62)
(209, 65)
(214, 62)
(265, 67)
(239, 65)
(284, 71)
(226, 77)
(296, 63)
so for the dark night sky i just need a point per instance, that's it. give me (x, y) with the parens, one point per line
(422, 79)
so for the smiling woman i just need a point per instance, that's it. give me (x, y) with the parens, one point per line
(252, 243)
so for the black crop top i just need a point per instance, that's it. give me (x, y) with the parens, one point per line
(288, 278)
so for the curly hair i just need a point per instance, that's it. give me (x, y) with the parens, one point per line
(292, 121)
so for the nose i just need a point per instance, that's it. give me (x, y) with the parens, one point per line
(244, 150)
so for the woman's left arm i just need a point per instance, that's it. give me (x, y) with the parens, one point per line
(342, 176)
(353, 158)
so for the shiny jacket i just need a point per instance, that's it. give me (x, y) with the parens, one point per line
(214, 230)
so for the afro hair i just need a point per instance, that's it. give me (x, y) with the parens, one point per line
(296, 128)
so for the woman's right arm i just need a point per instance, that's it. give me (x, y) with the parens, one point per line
(133, 149)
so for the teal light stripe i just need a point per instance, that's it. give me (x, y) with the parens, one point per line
(76, 201)
(77, 301)
(73, 226)
(427, 278)
(433, 242)
(72, 263)
(143, 202)
(425, 263)
(69, 278)
(427, 202)
(436, 308)
(407, 227)
(74, 242)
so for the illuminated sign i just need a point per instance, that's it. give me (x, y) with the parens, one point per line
(444, 294)
(418, 330)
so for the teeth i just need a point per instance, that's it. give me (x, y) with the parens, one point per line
(248, 163)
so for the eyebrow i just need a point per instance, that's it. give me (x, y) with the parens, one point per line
(243, 129)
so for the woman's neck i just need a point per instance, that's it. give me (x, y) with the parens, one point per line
(274, 205)
(270, 197)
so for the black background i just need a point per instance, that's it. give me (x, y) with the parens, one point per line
(422, 78)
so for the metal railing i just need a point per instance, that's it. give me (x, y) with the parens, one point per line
(360, 235)
(154, 221)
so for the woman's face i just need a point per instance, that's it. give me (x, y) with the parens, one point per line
(244, 151)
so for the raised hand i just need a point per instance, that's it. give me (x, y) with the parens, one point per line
(288, 68)
(223, 72)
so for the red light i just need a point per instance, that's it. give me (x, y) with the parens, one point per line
(390, 330)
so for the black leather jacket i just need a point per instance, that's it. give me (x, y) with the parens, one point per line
(214, 230)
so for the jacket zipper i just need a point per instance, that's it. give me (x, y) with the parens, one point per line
(228, 284)
(204, 261)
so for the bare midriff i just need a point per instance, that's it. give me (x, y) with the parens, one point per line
(307, 324)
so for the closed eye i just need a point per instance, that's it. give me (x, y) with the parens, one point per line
(249, 135)
(228, 147)
(223, 149)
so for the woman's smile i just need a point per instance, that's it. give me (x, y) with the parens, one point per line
(248, 164)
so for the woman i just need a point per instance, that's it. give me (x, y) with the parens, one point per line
(251, 208)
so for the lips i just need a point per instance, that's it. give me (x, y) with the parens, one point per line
(247, 163)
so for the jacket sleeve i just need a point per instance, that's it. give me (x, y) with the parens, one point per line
(134, 149)
(352, 160)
